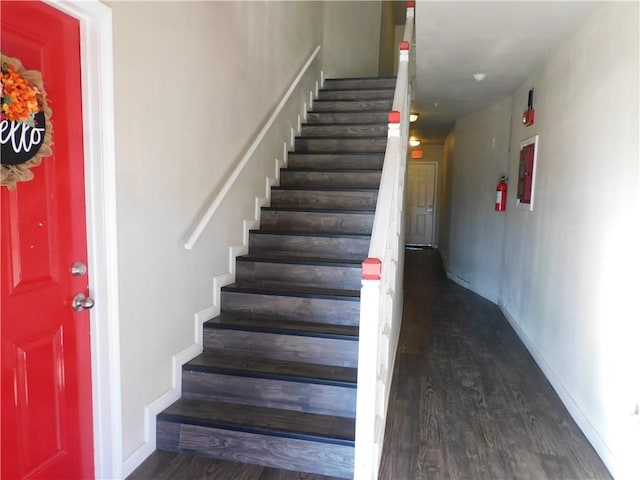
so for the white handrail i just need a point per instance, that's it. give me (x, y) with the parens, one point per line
(381, 293)
(206, 218)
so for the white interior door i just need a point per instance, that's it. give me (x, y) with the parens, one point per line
(421, 203)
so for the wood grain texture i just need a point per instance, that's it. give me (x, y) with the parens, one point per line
(261, 420)
(283, 346)
(467, 400)
(343, 178)
(344, 130)
(346, 161)
(283, 327)
(344, 117)
(286, 453)
(288, 395)
(359, 83)
(316, 244)
(342, 94)
(184, 466)
(351, 105)
(274, 271)
(341, 144)
(345, 199)
(341, 311)
(314, 220)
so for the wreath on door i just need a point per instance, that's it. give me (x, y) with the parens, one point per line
(25, 122)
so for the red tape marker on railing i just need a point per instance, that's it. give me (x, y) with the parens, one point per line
(371, 269)
(411, 4)
(394, 116)
(404, 45)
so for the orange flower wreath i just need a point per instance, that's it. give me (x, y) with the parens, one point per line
(22, 97)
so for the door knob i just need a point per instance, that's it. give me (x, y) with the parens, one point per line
(82, 302)
(78, 269)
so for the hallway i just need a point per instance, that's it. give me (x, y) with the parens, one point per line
(467, 401)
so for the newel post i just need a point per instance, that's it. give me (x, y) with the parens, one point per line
(366, 458)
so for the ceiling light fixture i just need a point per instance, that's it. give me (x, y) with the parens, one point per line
(414, 142)
(413, 117)
(478, 77)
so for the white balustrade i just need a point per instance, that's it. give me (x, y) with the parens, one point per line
(382, 290)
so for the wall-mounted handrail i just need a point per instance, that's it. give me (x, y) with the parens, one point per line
(381, 293)
(228, 184)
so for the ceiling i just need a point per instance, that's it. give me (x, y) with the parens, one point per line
(505, 40)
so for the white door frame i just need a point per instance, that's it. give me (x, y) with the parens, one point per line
(96, 57)
(434, 234)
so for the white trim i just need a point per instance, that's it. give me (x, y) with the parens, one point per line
(457, 279)
(565, 396)
(204, 221)
(152, 410)
(100, 183)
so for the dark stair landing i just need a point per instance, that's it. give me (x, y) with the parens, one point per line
(276, 383)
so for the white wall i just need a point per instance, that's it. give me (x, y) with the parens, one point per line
(474, 246)
(194, 82)
(568, 278)
(570, 266)
(351, 38)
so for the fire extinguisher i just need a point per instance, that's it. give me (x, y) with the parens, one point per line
(501, 195)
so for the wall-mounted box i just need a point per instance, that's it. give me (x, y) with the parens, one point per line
(527, 172)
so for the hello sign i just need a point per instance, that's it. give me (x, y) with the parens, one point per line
(25, 126)
(21, 141)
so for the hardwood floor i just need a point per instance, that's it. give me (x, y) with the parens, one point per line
(467, 401)
(180, 466)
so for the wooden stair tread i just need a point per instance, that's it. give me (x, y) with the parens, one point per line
(311, 233)
(273, 369)
(262, 420)
(326, 189)
(346, 125)
(351, 79)
(293, 291)
(358, 89)
(291, 259)
(342, 139)
(281, 326)
(336, 152)
(330, 170)
(333, 112)
(317, 210)
(296, 153)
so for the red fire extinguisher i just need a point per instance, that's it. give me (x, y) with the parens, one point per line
(501, 195)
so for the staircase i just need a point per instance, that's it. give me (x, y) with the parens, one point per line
(276, 383)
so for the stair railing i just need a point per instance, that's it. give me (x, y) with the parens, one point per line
(382, 288)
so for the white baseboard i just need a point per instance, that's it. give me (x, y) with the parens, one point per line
(565, 396)
(152, 410)
(459, 280)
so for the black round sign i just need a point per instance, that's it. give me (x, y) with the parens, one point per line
(21, 141)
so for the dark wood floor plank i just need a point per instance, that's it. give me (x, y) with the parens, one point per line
(484, 408)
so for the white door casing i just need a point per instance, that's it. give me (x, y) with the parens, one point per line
(96, 57)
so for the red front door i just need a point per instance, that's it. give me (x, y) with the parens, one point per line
(47, 429)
